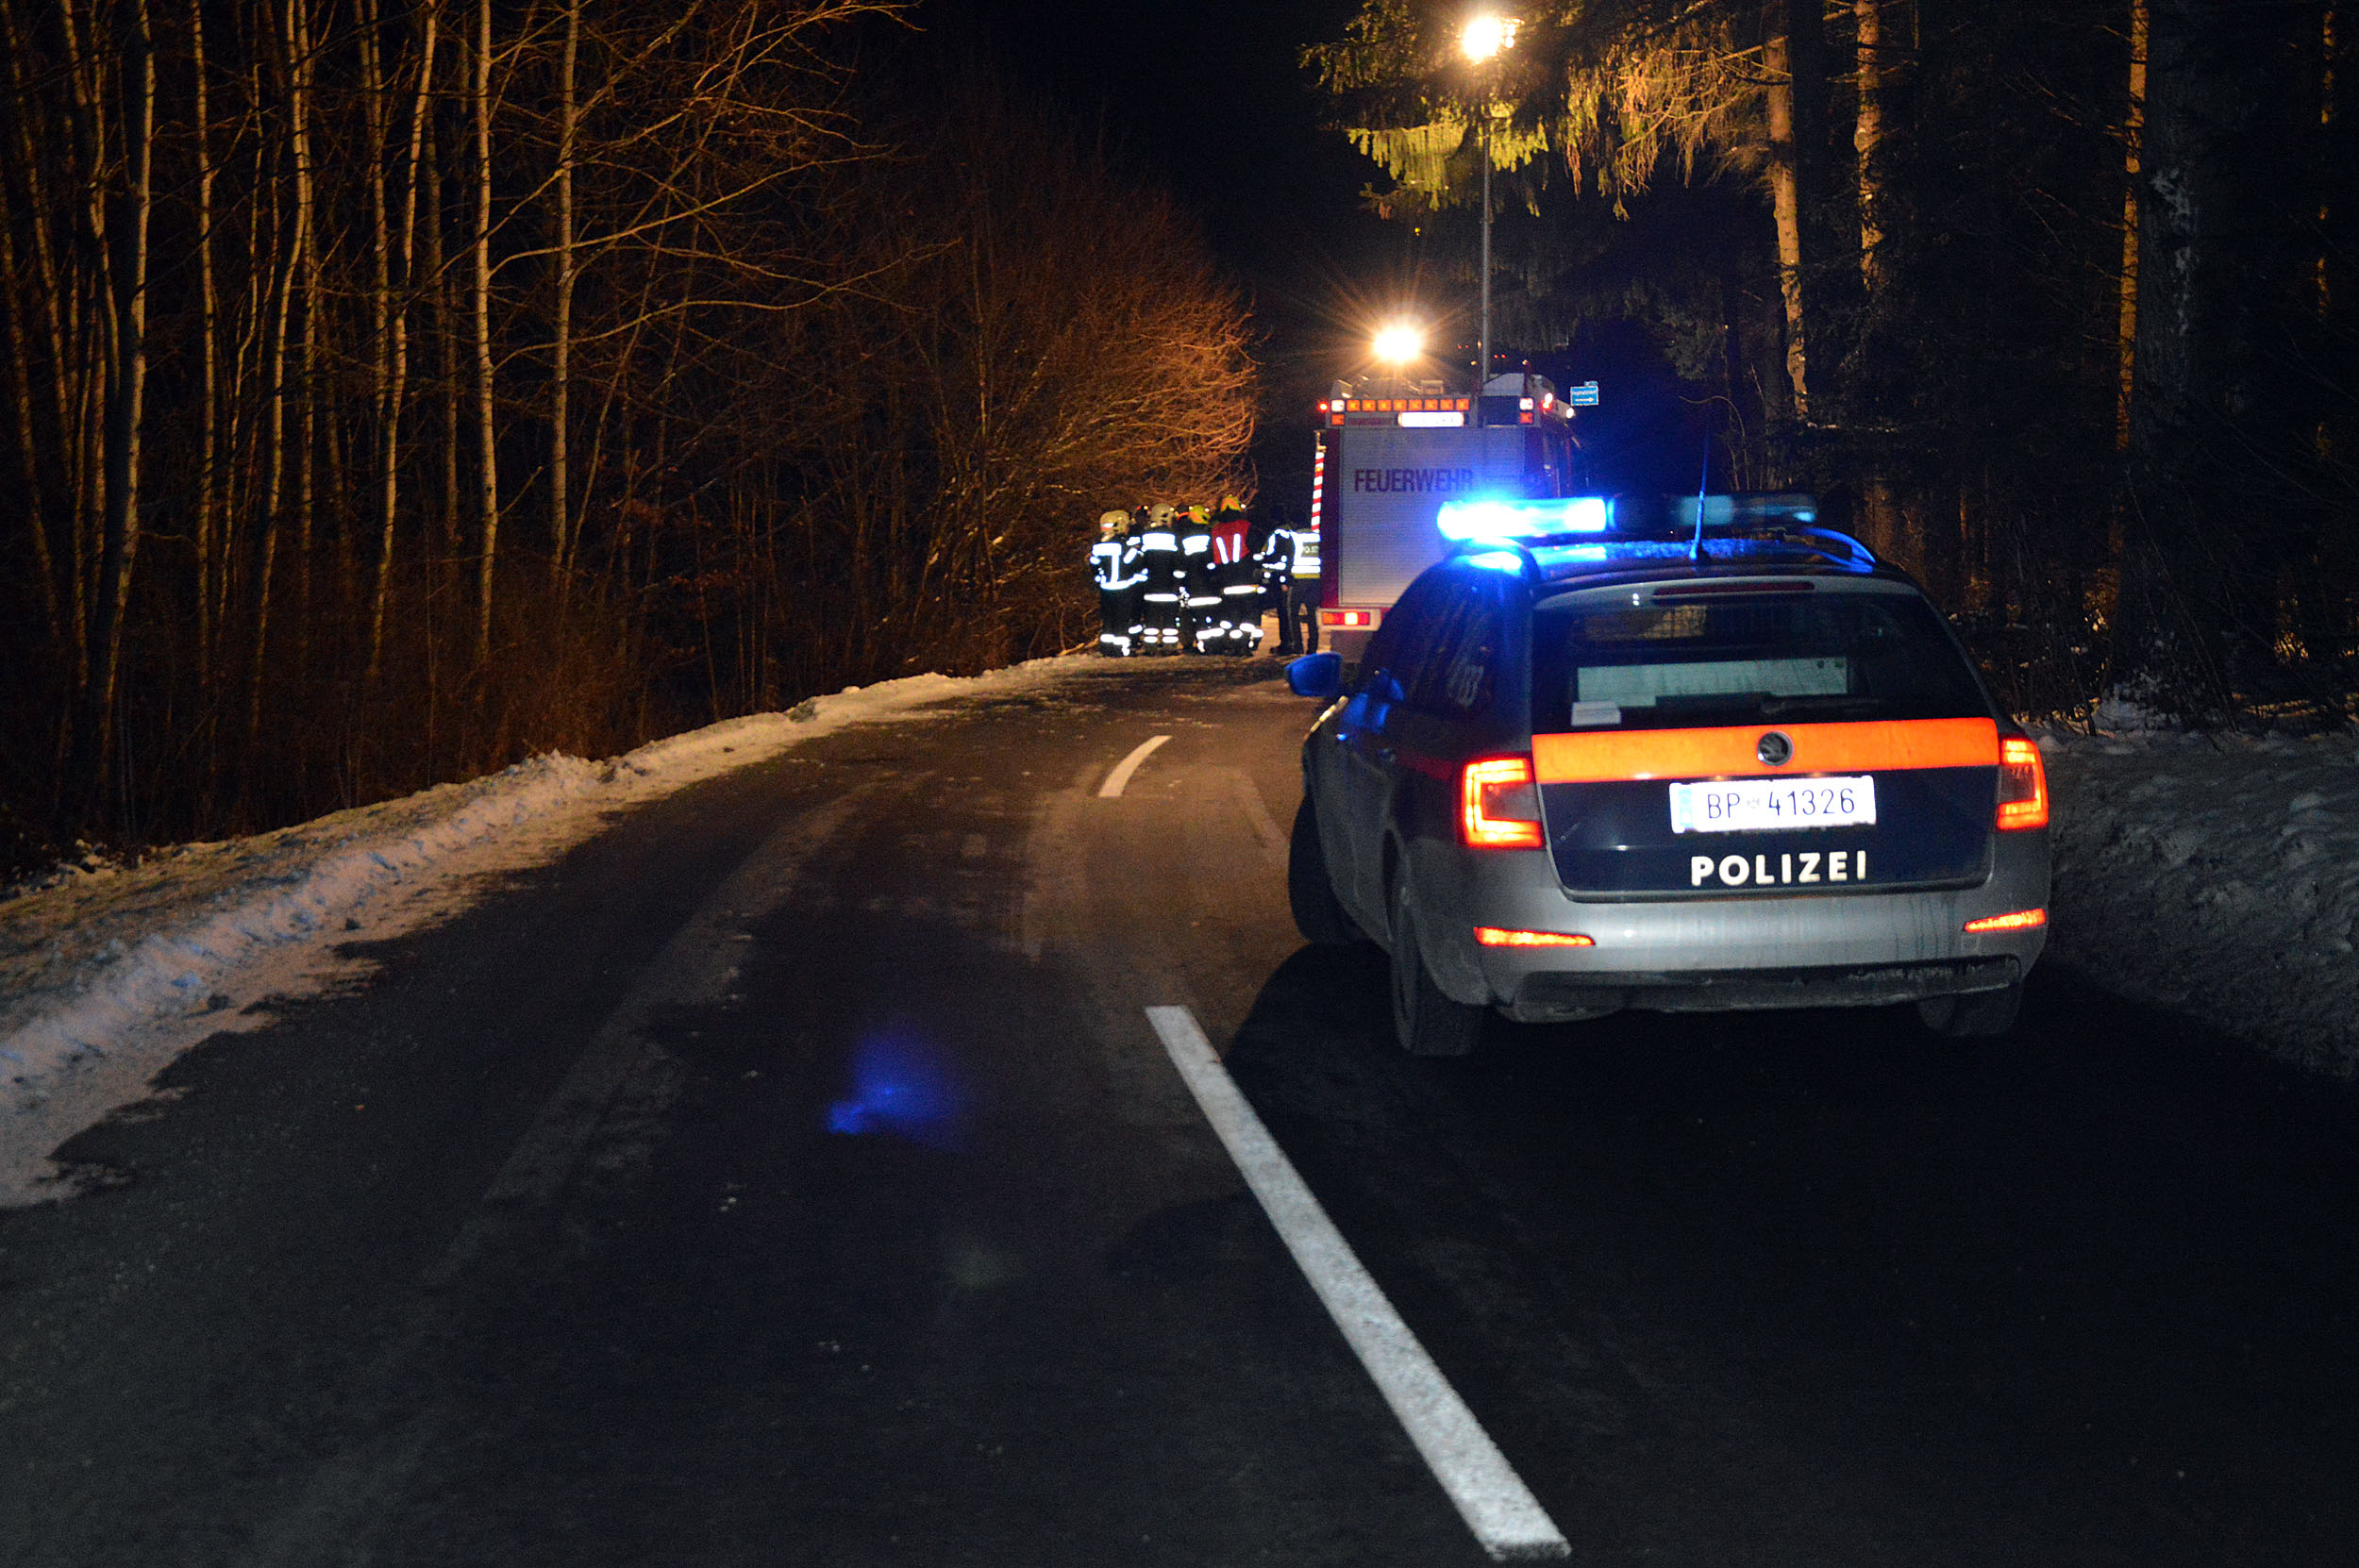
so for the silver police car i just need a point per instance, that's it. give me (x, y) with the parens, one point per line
(1674, 754)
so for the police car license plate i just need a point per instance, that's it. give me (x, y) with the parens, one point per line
(1770, 805)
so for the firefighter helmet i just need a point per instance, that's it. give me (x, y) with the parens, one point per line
(1160, 514)
(1112, 522)
(1228, 510)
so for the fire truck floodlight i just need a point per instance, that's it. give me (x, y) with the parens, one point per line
(1573, 514)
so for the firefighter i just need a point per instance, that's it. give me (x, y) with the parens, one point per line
(1203, 596)
(1238, 624)
(1156, 563)
(1293, 554)
(1113, 564)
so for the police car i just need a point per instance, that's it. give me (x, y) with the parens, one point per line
(1680, 755)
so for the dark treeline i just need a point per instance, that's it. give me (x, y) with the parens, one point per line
(399, 387)
(2055, 303)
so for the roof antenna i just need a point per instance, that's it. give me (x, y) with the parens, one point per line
(1703, 483)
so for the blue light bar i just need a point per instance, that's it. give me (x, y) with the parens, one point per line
(1573, 514)
(1496, 560)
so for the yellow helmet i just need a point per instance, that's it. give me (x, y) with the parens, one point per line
(1229, 507)
(1195, 513)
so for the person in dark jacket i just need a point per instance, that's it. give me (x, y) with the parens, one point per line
(1114, 564)
(1202, 605)
(1292, 556)
(1237, 624)
(1161, 588)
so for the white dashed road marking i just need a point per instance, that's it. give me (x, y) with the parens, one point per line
(1490, 1497)
(1128, 766)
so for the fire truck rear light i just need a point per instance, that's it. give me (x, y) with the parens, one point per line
(1490, 935)
(2022, 785)
(1499, 805)
(1348, 618)
(2019, 919)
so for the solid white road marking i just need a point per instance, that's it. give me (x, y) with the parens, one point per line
(1490, 1497)
(1111, 789)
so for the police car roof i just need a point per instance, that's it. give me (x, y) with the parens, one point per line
(1590, 561)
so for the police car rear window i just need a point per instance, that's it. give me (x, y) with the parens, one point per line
(1772, 658)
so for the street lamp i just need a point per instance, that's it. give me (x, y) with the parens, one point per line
(1400, 343)
(1485, 37)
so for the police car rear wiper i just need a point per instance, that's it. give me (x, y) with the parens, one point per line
(1779, 708)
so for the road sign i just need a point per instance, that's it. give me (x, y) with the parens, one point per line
(1582, 396)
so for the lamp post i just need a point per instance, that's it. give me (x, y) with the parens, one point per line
(1484, 37)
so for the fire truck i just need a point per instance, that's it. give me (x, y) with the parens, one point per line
(1384, 465)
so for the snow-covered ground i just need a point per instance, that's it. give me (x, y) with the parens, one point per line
(107, 973)
(2216, 876)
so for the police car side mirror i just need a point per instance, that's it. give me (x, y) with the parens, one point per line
(1318, 674)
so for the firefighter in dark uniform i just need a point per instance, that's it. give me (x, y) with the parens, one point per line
(1238, 627)
(1113, 564)
(1269, 559)
(1293, 553)
(1160, 590)
(1203, 594)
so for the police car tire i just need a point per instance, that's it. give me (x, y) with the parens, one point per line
(1976, 1015)
(1309, 891)
(1425, 1020)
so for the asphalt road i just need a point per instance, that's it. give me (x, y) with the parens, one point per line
(790, 1176)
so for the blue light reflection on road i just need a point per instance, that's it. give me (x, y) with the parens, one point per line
(904, 1085)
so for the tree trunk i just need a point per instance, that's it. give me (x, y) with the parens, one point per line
(488, 500)
(121, 260)
(2132, 136)
(1868, 137)
(561, 348)
(395, 327)
(208, 327)
(1785, 197)
(300, 108)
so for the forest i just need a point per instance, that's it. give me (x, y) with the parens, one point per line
(398, 388)
(2055, 304)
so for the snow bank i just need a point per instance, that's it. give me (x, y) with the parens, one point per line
(109, 973)
(2216, 876)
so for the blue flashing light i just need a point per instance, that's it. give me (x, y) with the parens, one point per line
(1496, 560)
(1501, 519)
(1817, 545)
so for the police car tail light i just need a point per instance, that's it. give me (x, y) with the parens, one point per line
(2022, 785)
(2018, 920)
(1501, 804)
(1490, 935)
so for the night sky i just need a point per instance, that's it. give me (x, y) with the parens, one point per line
(1205, 99)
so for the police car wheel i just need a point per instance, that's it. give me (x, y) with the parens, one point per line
(1976, 1015)
(1318, 913)
(1425, 1020)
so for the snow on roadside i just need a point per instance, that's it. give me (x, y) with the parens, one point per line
(107, 975)
(2217, 877)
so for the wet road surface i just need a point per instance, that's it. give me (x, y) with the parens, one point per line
(790, 1175)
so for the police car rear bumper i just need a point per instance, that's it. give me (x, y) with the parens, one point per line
(1557, 998)
(1866, 948)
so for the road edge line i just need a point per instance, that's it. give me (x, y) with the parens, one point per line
(1506, 1519)
(1115, 780)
